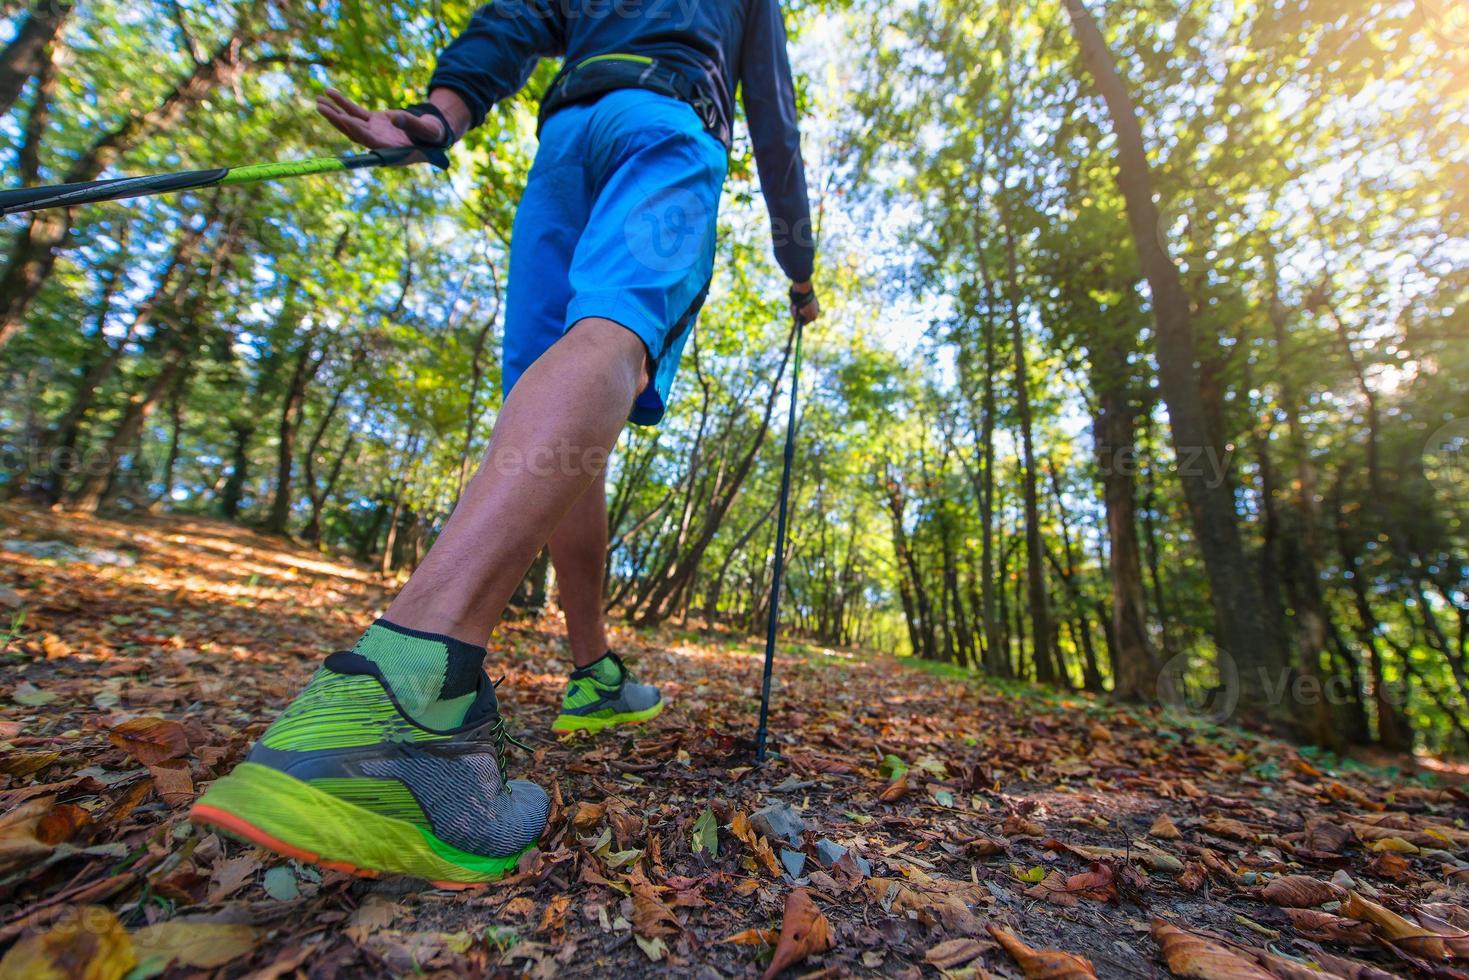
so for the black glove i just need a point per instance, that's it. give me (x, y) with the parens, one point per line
(434, 152)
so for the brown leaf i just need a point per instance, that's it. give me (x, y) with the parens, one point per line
(232, 875)
(651, 916)
(1017, 826)
(89, 945)
(173, 782)
(62, 823)
(739, 825)
(753, 937)
(1043, 964)
(983, 846)
(1193, 877)
(1394, 928)
(1325, 836)
(1327, 928)
(1300, 892)
(587, 816)
(803, 932)
(26, 763)
(553, 919)
(896, 790)
(955, 952)
(1188, 955)
(150, 740)
(19, 829)
(1228, 827)
(1164, 827)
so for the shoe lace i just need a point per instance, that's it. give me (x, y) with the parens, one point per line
(503, 738)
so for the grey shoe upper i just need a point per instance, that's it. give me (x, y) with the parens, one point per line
(627, 696)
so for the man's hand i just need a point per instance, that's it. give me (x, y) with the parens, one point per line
(809, 310)
(393, 127)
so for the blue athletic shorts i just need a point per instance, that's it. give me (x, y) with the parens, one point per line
(617, 221)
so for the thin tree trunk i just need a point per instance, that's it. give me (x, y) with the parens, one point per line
(1243, 628)
(291, 408)
(1135, 662)
(1041, 627)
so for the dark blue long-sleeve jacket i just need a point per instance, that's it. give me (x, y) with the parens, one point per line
(714, 44)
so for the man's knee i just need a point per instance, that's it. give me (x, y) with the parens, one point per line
(617, 343)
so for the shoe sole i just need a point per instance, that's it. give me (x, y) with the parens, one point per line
(280, 813)
(566, 724)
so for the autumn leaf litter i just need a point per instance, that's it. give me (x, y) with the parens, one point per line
(914, 823)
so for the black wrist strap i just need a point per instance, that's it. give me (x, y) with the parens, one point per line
(433, 151)
(800, 299)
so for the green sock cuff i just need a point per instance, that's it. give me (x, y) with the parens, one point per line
(433, 677)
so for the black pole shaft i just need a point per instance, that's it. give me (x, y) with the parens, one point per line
(20, 199)
(773, 623)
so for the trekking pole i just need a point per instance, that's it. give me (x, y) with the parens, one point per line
(780, 546)
(118, 188)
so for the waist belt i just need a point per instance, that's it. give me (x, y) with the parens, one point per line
(603, 73)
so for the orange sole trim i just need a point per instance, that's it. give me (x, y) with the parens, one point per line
(239, 827)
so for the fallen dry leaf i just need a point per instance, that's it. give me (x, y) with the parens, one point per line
(955, 952)
(804, 931)
(1043, 964)
(150, 740)
(1163, 827)
(1325, 927)
(1394, 928)
(1188, 955)
(20, 842)
(184, 942)
(88, 944)
(1300, 892)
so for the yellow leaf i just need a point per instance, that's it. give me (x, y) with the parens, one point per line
(90, 945)
(199, 944)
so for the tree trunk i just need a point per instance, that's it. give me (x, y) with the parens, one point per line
(1242, 626)
(234, 487)
(1041, 628)
(25, 57)
(291, 408)
(1135, 662)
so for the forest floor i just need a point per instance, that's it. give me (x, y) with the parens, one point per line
(151, 651)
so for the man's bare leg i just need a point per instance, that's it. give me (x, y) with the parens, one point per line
(579, 554)
(550, 444)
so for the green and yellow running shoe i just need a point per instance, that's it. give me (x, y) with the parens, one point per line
(603, 694)
(345, 779)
